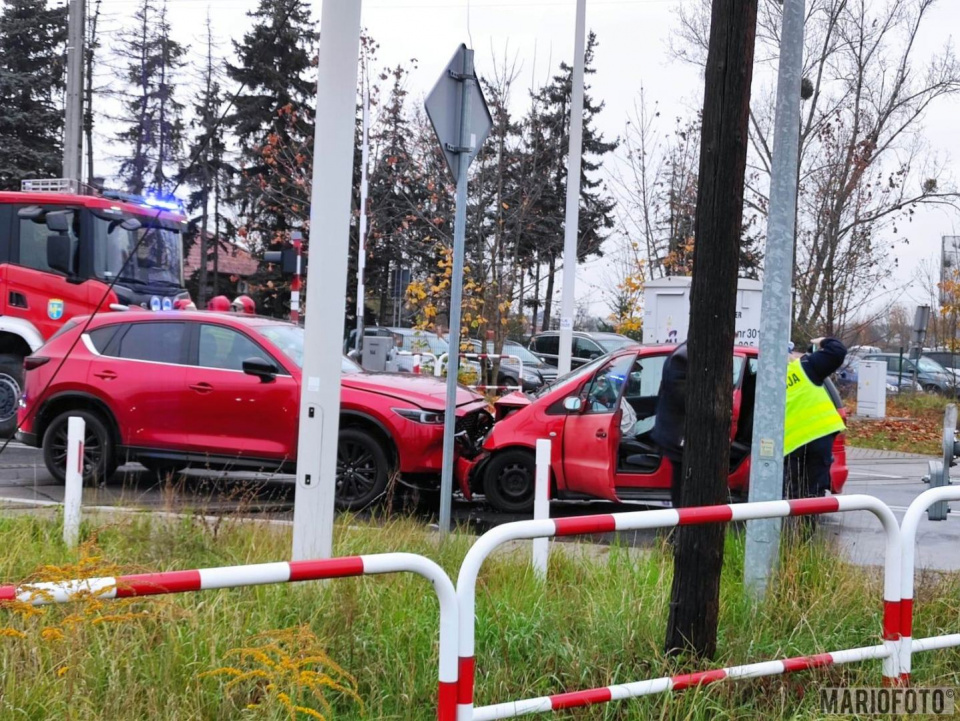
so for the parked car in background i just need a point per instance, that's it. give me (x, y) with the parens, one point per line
(222, 391)
(586, 346)
(580, 413)
(931, 376)
(848, 376)
(509, 373)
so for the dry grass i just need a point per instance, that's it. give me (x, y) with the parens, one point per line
(914, 424)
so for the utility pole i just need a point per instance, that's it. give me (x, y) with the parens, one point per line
(766, 462)
(364, 191)
(73, 123)
(571, 221)
(698, 550)
(333, 145)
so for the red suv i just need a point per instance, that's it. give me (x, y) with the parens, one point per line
(175, 389)
(580, 413)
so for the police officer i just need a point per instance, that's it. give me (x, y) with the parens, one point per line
(812, 420)
(667, 430)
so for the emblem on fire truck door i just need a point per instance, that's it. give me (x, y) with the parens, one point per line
(55, 309)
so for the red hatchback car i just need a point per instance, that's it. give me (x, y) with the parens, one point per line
(175, 389)
(580, 413)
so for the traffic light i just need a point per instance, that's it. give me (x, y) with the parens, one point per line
(286, 259)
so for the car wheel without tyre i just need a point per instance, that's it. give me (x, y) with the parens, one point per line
(508, 482)
(362, 469)
(11, 384)
(99, 461)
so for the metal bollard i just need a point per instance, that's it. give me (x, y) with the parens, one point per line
(73, 481)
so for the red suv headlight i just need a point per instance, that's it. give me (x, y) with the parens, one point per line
(418, 415)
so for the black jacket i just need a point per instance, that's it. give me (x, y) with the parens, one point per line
(823, 363)
(671, 405)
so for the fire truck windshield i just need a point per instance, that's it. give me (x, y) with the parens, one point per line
(158, 257)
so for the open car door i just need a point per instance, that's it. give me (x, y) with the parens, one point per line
(591, 433)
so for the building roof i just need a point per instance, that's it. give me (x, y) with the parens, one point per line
(233, 260)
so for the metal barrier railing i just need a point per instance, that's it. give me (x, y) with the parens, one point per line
(203, 579)
(908, 531)
(668, 518)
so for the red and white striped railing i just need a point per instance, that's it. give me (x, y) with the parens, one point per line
(908, 530)
(667, 518)
(203, 579)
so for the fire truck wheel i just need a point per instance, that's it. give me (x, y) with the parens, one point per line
(99, 460)
(11, 384)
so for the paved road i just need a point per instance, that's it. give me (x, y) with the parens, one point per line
(894, 478)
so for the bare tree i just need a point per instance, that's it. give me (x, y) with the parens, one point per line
(655, 184)
(864, 165)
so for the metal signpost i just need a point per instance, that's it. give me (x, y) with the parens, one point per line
(461, 120)
(766, 463)
(329, 239)
(571, 222)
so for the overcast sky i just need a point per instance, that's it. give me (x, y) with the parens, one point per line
(633, 50)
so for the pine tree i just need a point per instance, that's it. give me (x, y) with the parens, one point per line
(273, 110)
(32, 41)
(550, 138)
(154, 117)
(208, 171)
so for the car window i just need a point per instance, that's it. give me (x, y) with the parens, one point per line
(101, 337)
(225, 348)
(586, 348)
(549, 344)
(644, 380)
(893, 364)
(603, 392)
(288, 338)
(613, 343)
(927, 365)
(33, 241)
(155, 342)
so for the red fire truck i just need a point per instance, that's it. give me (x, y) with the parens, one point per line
(61, 246)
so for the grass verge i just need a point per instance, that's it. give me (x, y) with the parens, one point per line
(599, 620)
(914, 424)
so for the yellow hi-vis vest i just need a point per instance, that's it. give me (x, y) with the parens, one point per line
(811, 413)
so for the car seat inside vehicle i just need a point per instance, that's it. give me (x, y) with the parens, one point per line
(636, 453)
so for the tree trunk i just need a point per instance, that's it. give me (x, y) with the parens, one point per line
(548, 299)
(204, 221)
(698, 550)
(536, 296)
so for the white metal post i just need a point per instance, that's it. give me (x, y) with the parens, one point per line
(73, 122)
(571, 222)
(362, 235)
(73, 481)
(330, 240)
(541, 507)
(766, 469)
